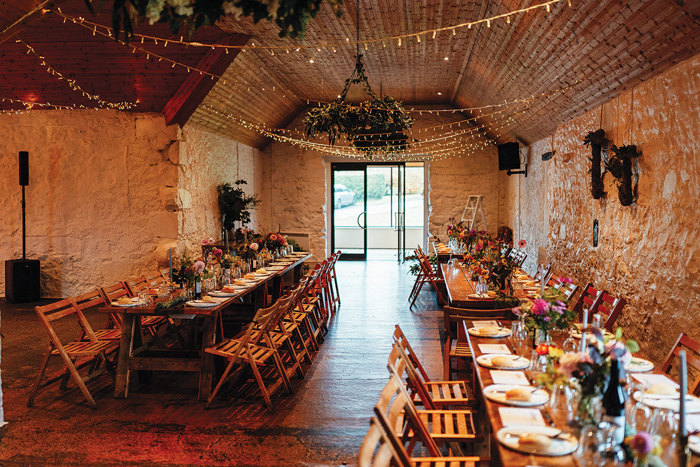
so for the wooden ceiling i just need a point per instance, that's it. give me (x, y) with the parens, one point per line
(593, 48)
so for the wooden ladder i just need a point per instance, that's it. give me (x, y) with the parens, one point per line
(472, 209)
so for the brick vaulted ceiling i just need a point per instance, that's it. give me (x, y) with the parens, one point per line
(596, 47)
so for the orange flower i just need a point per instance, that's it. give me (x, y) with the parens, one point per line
(542, 349)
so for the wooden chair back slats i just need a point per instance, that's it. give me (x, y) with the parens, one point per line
(567, 289)
(692, 353)
(611, 307)
(518, 257)
(397, 413)
(155, 279)
(378, 448)
(589, 298)
(113, 292)
(401, 339)
(89, 300)
(427, 269)
(61, 309)
(138, 285)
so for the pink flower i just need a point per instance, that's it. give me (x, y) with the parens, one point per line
(522, 243)
(625, 358)
(642, 443)
(478, 247)
(568, 363)
(254, 246)
(198, 266)
(566, 280)
(540, 307)
(218, 253)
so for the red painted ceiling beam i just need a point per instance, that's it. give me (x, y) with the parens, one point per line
(196, 86)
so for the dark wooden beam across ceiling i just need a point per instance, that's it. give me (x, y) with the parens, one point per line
(196, 86)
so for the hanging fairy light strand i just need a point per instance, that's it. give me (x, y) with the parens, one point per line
(73, 84)
(106, 32)
(287, 48)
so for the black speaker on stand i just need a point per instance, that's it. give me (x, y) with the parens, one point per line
(22, 278)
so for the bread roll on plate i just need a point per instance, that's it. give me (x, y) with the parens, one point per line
(489, 331)
(519, 394)
(503, 361)
(536, 441)
(662, 389)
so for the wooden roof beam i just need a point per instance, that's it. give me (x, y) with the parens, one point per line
(196, 86)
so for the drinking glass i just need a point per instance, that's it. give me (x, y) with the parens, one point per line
(570, 344)
(589, 445)
(663, 423)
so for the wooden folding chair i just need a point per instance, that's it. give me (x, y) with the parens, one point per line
(333, 278)
(455, 315)
(398, 414)
(430, 277)
(257, 354)
(306, 315)
(588, 299)
(692, 354)
(155, 278)
(138, 285)
(610, 308)
(518, 257)
(93, 351)
(568, 289)
(95, 299)
(457, 351)
(382, 448)
(431, 394)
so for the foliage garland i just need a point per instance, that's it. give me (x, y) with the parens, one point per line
(620, 166)
(376, 124)
(291, 16)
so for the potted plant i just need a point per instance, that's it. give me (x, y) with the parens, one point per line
(234, 204)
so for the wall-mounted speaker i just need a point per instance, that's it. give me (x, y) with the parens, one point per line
(24, 168)
(509, 156)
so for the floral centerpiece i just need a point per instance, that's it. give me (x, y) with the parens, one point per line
(461, 235)
(274, 242)
(644, 449)
(546, 313)
(190, 271)
(589, 369)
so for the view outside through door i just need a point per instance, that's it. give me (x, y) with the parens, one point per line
(382, 209)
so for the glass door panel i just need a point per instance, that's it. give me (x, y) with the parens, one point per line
(349, 210)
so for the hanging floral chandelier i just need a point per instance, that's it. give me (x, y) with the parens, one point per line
(377, 124)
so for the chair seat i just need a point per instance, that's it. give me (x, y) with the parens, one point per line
(108, 334)
(299, 316)
(87, 348)
(148, 321)
(444, 461)
(228, 348)
(449, 392)
(460, 349)
(444, 425)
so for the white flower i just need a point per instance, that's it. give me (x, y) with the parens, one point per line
(153, 10)
(229, 8)
(272, 7)
(182, 7)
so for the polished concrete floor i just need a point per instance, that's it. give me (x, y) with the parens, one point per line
(321, 423)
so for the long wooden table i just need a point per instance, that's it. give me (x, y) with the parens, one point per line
(134, 356)
(507, 456)
(459, 287)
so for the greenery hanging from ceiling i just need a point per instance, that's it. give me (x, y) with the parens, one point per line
(376, 124)
(291, 16)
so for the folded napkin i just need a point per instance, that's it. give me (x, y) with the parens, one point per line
(170, 303)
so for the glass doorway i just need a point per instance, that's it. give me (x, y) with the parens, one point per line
(377, 209)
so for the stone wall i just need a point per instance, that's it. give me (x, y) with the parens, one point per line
(295, 186)
(649, 252)
(95, 207)
(205, 161)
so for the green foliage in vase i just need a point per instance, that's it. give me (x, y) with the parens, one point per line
(292, 16)
(234, 204)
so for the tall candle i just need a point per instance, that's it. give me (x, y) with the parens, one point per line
(583, 333)
(682, 430)
(170, 253)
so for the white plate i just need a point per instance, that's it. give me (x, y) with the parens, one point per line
(694, 444)
(509, 437)
(485, 361)
(475, 296)
(133, 303)
(201, 304)
(576, 334)
(639, 365)
(505, 332)
(219, 293)
(655, 401)
(497, 393)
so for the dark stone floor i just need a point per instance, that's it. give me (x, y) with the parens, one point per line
(321, 423)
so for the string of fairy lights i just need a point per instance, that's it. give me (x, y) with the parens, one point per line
(105, 31)
(451, 143)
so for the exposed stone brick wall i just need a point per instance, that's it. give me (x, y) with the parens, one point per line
(207, 160)
(97, 208)
(649, 252)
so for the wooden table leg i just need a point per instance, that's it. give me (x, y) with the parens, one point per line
(126, 347)
(206, 372)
